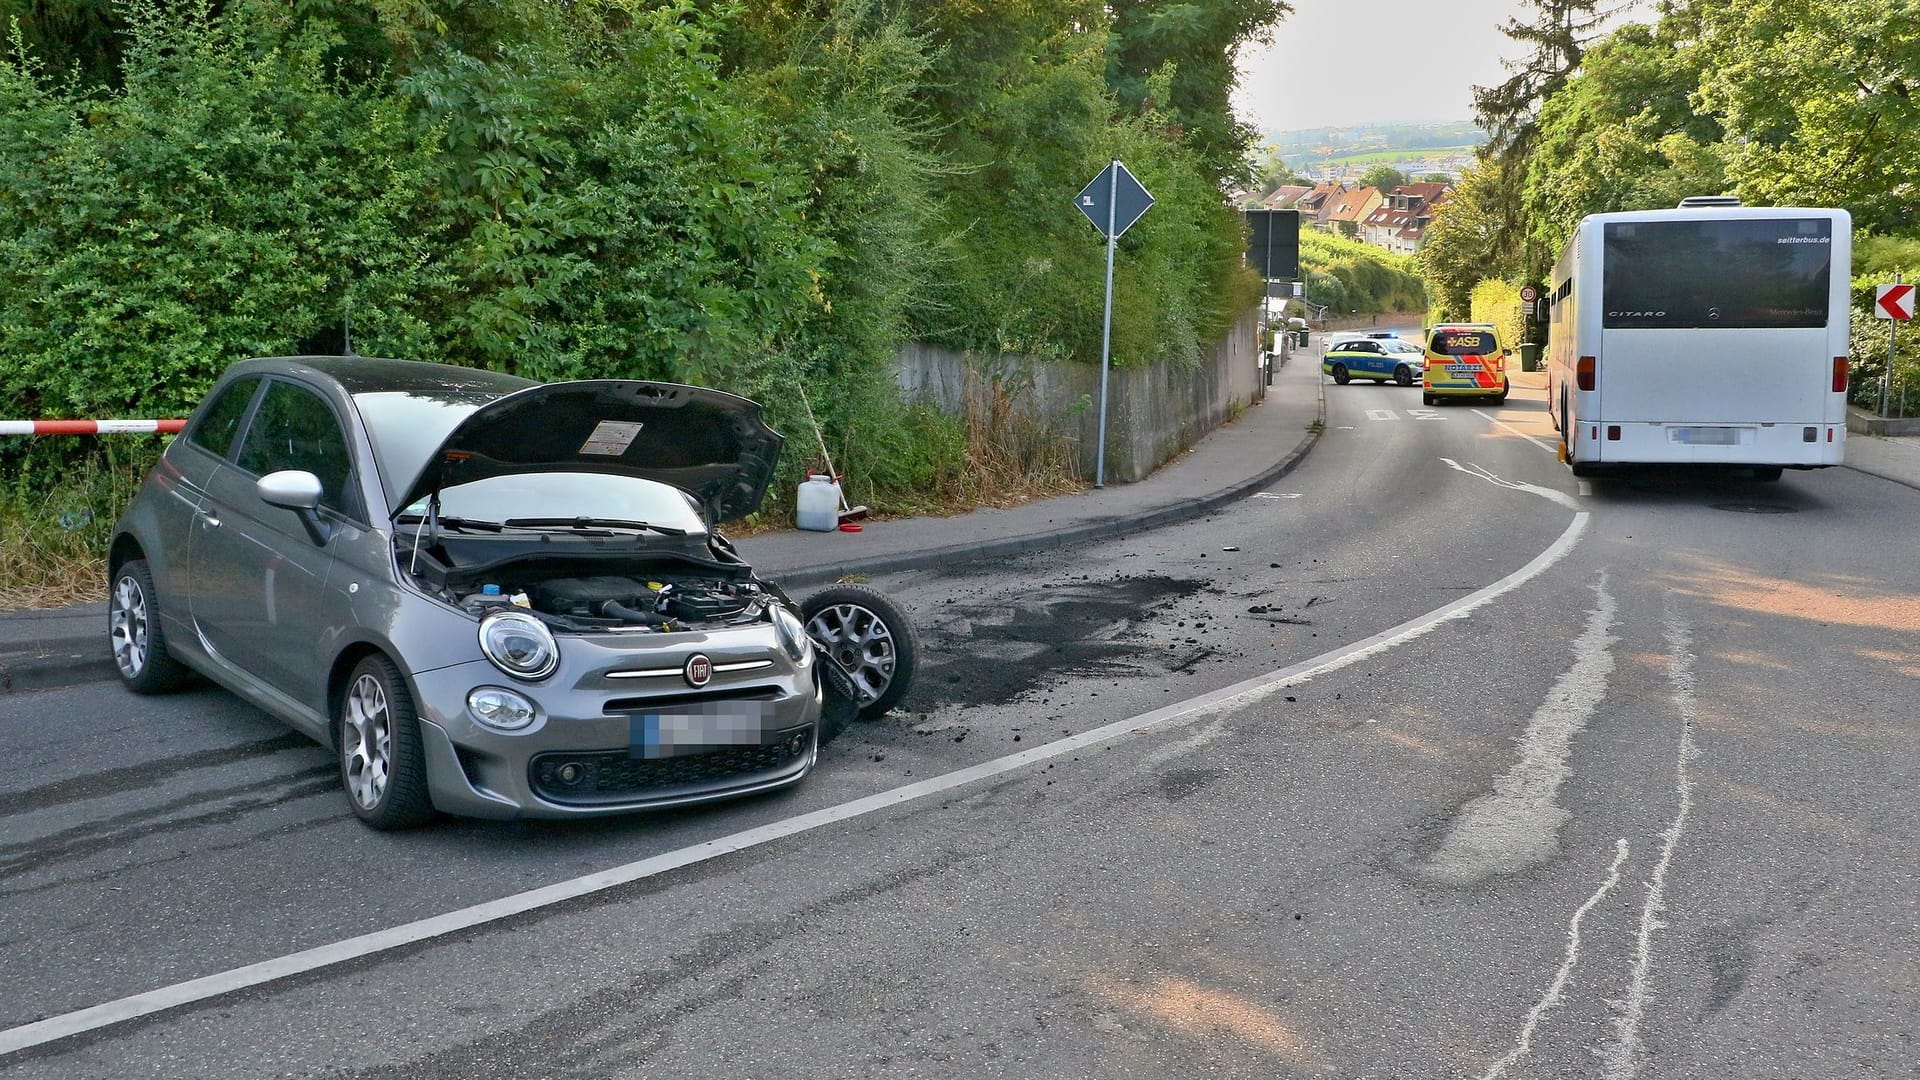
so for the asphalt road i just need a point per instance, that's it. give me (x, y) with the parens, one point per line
(1643, 810)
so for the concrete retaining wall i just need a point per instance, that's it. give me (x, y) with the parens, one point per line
(1153, 412)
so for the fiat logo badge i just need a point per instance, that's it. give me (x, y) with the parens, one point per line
(699, 670)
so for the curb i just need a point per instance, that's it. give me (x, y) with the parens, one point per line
(79, 663)
(1107, 529)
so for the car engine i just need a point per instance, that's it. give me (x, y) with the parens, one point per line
(664, 603)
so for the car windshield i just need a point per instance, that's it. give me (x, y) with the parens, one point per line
(406, 429)
(602, 497)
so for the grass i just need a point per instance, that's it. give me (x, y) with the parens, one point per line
(53, 543)
(53, 540)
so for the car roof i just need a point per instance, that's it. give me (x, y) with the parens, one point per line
(376, 374)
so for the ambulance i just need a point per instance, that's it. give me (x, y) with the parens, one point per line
(1464, 360)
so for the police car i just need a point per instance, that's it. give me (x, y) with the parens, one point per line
(1377, 357)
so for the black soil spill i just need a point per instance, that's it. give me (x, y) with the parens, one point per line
(994, 650)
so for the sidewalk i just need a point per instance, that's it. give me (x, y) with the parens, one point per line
(42, 649)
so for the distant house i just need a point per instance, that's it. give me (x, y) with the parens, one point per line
(1317, 204)
(1400, 221)
(1351, 208)
(1285, 196)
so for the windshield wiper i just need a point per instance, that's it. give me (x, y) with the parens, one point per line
(452, 522)
(589, 523)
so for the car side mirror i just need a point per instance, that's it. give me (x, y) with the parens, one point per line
(300, 492)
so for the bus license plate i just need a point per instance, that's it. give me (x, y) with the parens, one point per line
(1706, 436)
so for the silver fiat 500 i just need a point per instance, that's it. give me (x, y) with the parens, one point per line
(492, 597)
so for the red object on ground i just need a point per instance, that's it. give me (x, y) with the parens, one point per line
(849, 526)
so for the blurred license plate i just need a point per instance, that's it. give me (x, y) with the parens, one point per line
(694, 729)
(1706, 436)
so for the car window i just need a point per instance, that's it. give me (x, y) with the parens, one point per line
(568, 494)
(214, 432)
(294, 429)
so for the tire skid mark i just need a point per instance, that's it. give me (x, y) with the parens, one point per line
(146, 774)
(1623, 1058)
(1554, 990)
(117, 832)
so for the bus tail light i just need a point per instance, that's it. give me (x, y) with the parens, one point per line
(1839, 374)
(1584, 372)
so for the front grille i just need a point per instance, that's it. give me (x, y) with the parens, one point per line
(615, 776)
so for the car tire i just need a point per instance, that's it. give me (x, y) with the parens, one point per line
(871, 640)
(1768, 474)
(1429, 400)
(134, 633)
(1340, 374)
(1501, 397)
(377, 740)
(1403, 375)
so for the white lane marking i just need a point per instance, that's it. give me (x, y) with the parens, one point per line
(1382, 414)
(1541, 443)
(1276, 495)
(1425, 414)
(1517, 824)
(1559, 985)
(1470, 469)
(193, 990)
(1623, 1058)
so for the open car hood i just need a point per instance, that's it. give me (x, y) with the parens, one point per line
(710, 444)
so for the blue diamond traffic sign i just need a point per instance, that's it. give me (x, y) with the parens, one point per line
(1128, 200)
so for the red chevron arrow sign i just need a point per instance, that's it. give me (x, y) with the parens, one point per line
(1893, 301)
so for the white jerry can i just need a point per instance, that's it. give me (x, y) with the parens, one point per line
(818, 508)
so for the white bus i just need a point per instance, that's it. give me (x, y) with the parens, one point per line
(1711, 334)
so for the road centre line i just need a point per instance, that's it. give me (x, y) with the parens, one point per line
(1623, 1058)
(1541, 443)
(1247, 691)
(1549, 494)
(1560, 978)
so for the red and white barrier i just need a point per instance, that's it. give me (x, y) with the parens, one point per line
(90, 427)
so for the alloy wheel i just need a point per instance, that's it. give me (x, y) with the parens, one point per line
(368, 737)
(861, 643)
(128, 626)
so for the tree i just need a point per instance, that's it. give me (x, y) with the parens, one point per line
(1470, 239)
(1821, 101)
(1271, 171)
(1624, 134)
(1383, 178)
(1192, 45)
(1510, 111)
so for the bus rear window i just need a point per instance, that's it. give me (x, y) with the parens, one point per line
(1463, 343)
(1766, 273)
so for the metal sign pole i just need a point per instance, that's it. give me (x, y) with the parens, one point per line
(1886, 377)
(1106, 329)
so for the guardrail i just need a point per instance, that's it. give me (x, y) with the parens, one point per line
(90, 427)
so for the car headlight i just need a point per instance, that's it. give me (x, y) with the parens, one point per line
(793, 635)
(519, 645)
(500, 708)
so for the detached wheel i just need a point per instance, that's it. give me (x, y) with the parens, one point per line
(1340, 374)
(133, 629)
(1403, 375)
(869, 638)
(382, 764)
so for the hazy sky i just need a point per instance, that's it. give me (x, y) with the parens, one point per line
(1340, 62)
